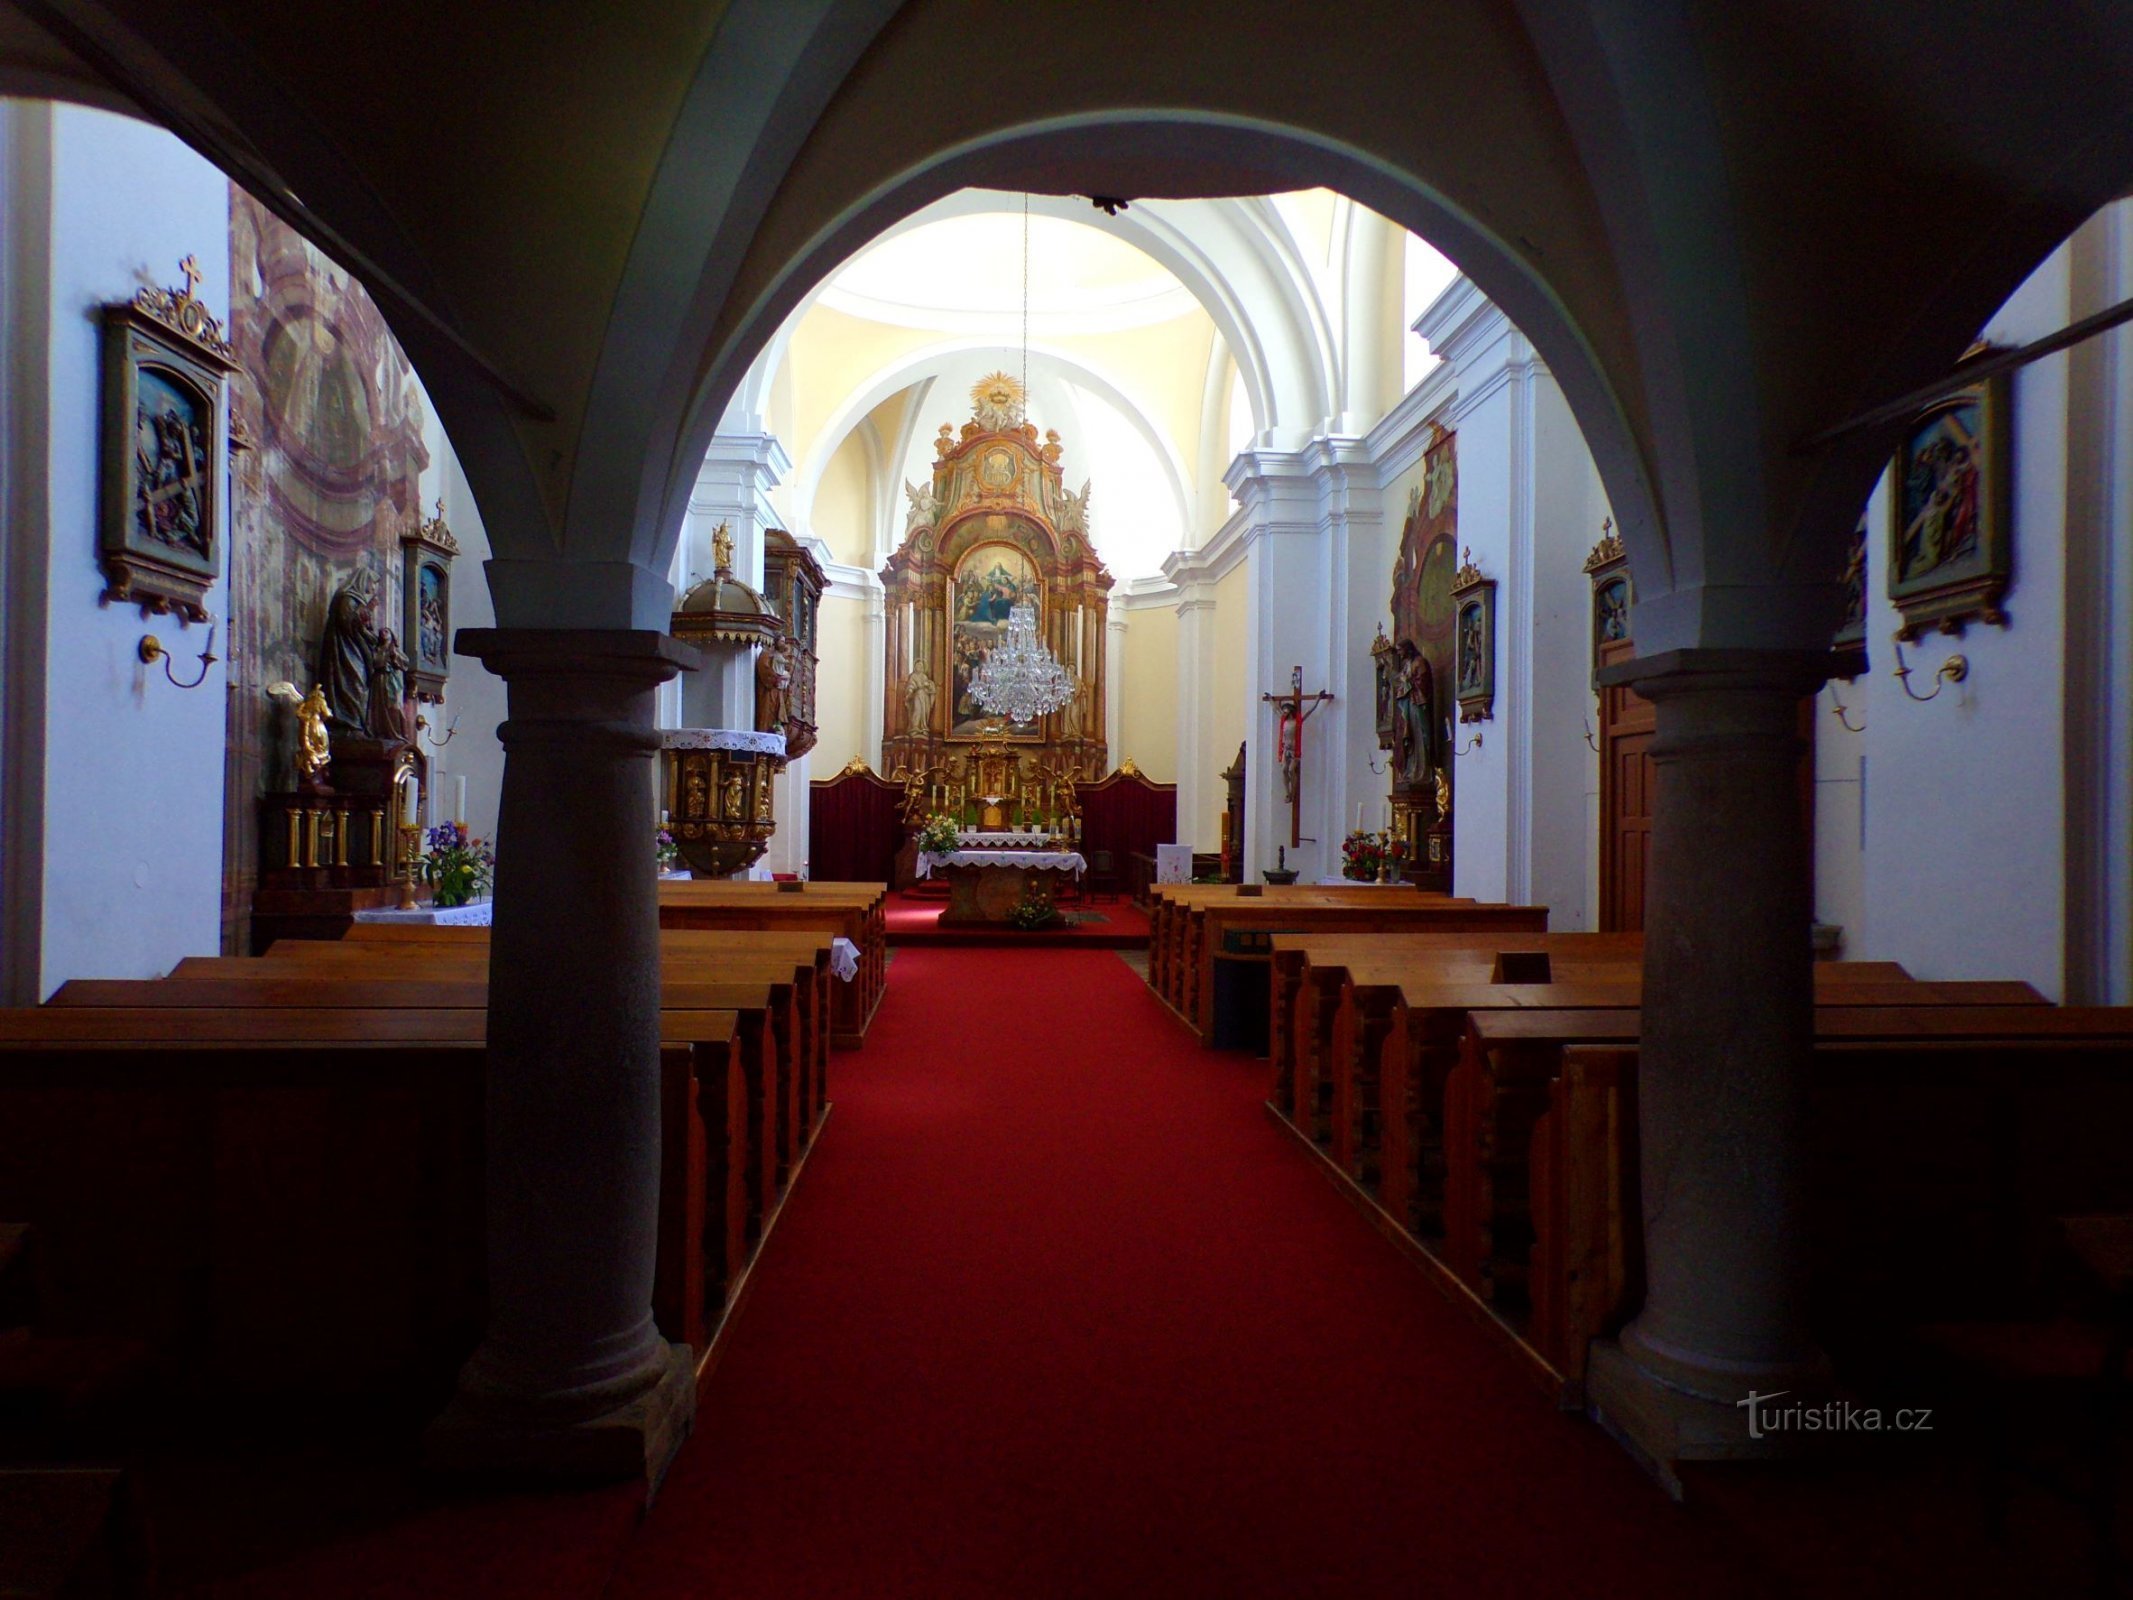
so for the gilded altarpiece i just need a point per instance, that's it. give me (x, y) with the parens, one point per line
(996, 525)
(1416, 667)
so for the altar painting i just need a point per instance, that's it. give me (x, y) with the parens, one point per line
(988, 581)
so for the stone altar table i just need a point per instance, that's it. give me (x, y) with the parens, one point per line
(985, 886)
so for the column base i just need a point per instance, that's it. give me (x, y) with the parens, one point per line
(1663, 1426)
(638, 1439)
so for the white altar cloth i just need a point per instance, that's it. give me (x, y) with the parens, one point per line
(1042, 860)
(844, 959)
(476, 915)
(1339, 882)
(1005, 838)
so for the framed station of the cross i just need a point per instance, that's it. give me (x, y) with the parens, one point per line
(167, 364)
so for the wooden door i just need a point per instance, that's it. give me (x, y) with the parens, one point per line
(1628, 784)
(1626, 793)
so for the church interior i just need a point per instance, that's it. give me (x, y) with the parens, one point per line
(874, 798)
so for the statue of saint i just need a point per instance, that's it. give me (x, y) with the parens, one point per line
(1070, 714)
(387, 717)
(918, 701)
(344, 651)
(773, 686)
(1417, 752)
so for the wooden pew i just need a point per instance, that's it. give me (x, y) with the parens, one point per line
(691, 955)
(1499, 1088)
(704, 1215)
(1174, 911)
(768, 1041)
(1942, 1143)
(855, 911)
(1415, 1052)
(1295, 1016)
(1232, 936)
(750, 951)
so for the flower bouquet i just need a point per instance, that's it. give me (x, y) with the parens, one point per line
(668, 852)
(457, 866)
(936, 837)
(1362, 855)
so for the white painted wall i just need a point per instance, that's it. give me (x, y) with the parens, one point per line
(132, 766)
(1964, 798)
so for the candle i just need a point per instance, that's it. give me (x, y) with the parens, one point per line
(459, 801)
(1385, 815)
(408, 813)
(1359, 816)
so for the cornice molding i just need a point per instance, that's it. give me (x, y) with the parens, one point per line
(760, 452)
(1402, 435)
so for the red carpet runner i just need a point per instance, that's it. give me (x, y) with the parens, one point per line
(1059, 1312)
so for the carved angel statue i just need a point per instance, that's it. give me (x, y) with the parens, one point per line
(1074, 510)
(924, 508)
(313, 751)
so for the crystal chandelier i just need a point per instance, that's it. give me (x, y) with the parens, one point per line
(1019, 679)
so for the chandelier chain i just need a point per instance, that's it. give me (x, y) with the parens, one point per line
(1024, 291)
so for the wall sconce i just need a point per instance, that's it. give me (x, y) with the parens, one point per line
(151, 651)
(1471, 744)
(422, 732)
(1953, 670)
(1591, 743)
(1841, 708)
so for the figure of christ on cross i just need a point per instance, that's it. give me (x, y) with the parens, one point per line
(1293, 710)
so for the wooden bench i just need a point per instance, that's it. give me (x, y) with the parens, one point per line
(769, 1046)
(1397, 1112)
(1942, 1144)
(1173, 939)
(750, 953)
(710, 1196)
(1499, 1087)
(854, 911)
(1225, 945)
(1305, 972)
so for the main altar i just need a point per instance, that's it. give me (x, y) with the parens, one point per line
(995, 530)
(992, 874)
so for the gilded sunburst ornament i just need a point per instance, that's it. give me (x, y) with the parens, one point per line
(996, 402)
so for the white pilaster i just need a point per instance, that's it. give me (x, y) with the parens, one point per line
(1287, 625)
(1115, 685)
(1196, 672)
(1522, 827)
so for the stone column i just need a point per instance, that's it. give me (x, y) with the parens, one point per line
(1722, 1074)
(572, 1380)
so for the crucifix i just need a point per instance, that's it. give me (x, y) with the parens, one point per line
(1294, 710)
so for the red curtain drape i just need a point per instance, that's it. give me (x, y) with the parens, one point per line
(853, 832)
(1125, 814)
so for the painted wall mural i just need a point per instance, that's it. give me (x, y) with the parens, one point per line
(331, 483)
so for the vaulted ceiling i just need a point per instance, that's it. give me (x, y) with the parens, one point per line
(1725, 223)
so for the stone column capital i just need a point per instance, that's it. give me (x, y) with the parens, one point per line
(640, 656)
(1673, 673)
